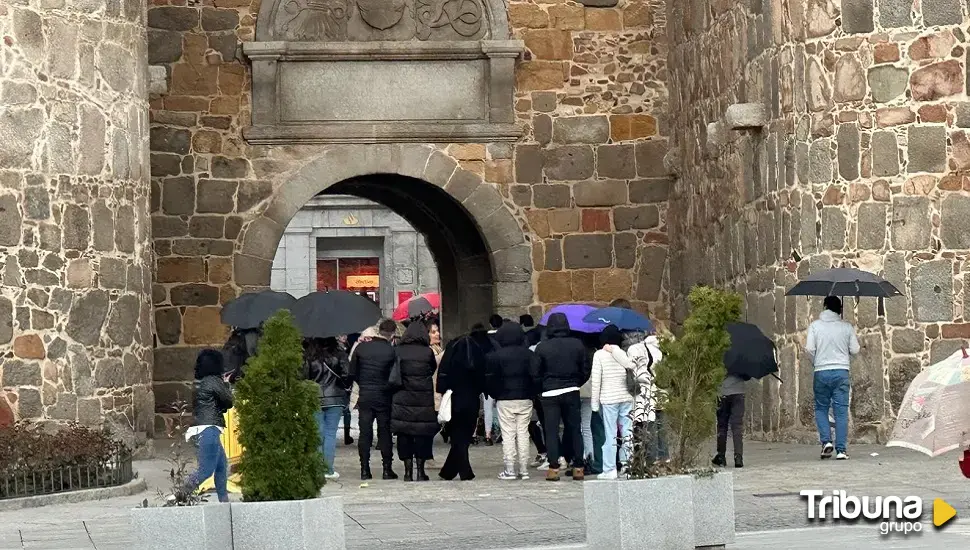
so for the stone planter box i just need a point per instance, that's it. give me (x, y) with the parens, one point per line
(642, 513)
(713, 499)
(315, 524)
(208, 527)
(667, 513)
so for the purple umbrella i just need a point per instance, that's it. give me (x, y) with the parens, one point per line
(574, 314)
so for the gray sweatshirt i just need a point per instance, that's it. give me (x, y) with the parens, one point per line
(732, 385)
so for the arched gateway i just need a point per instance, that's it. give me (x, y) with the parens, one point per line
(483, 256)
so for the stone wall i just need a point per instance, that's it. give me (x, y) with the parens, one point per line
(75, 262)
(575, 211)
(590, 174)
(862, 163)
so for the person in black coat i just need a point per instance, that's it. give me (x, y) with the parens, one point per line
(413, 416)
(508, 380)
(561, 367)
(370, 368)
(211, 398)
(462, 371)
(326, 364)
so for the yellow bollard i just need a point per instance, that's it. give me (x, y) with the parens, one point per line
(230, 442)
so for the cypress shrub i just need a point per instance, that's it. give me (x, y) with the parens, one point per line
(281, 459)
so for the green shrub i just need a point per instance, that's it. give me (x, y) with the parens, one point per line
(281, 459)
(692, 372)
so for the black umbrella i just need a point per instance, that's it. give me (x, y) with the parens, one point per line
(843, 281)
(752, 354)
(326, 314)
(250, 310)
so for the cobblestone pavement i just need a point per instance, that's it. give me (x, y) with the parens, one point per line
(491, 514)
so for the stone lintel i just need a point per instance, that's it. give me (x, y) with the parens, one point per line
(384, 51)
(746, 116)
(383, 132)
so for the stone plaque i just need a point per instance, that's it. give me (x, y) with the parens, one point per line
(379, 20)
(407, 90)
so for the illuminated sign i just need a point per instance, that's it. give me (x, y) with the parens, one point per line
(363, 281)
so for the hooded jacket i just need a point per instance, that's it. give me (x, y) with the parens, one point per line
(370, 367)
(462, 369)
(412, 410)
(508, 370)
(562, 360)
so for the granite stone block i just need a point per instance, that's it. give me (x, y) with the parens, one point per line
(713, 500)
(633, 514)
(316, 524)
(207, 527)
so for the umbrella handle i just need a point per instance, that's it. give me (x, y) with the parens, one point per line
(778, 377)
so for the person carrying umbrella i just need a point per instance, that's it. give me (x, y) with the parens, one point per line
(831, 343)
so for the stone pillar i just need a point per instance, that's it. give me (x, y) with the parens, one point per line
(75, 256)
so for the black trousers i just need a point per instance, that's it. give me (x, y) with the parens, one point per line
(535, 432)
(461, 429)
(366, 424)
(414, 446)
(565, 408)
(730, 413)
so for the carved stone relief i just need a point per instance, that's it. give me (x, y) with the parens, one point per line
(379, 20)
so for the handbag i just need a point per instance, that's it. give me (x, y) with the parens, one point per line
(444, 411)
(395, 380)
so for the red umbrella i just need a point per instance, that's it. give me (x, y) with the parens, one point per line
(416, 305)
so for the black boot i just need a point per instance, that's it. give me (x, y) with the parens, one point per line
(388, 472)
(365, 472)
(719, 460)
(408, 469)
(421, 475)
(738, 463)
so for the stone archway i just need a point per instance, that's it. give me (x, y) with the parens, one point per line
(483, 256)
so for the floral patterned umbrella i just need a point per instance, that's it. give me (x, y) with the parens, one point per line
(934, 418)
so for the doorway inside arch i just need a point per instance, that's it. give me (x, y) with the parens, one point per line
(389, 237)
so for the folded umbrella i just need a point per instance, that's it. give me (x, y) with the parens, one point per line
(251, 309)
(417, 305)
(752, 354)
(575, 313)
(843, 281)
(933, 417)
(624, 319)
(332, 313)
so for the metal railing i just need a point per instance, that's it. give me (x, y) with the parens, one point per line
(109, 473)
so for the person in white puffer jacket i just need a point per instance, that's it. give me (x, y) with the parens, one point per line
(642, 356)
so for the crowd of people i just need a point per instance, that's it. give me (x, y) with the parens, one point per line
(576, 397)
(565, 393)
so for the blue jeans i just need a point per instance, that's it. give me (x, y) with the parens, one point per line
(617, 415)
(328, 420)
(212, 462)
(832, 390)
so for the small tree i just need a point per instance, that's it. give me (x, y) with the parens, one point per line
(281, 459)
(692, 372)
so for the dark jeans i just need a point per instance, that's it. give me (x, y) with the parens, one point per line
(564, 408)
(460, 431)
(366, 425)
(414, 446)
(730, 412)
(658, 438)
(212, 462)
(599, 438)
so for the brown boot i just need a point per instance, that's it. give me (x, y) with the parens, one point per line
(552, 474)
(578, 474)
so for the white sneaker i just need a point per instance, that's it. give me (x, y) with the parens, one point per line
(332, 476)
(539, 459)
(524, 475)
(563, 464)
(507, 476)
(607, 475)
(544, 466)
(841, 456)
